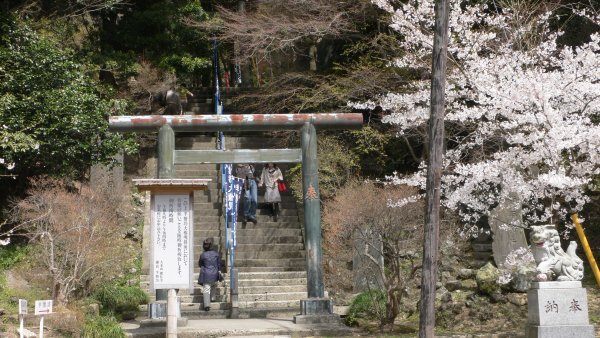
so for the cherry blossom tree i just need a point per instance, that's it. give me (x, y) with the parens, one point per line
(522, 110)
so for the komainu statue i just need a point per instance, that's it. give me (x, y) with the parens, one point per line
(552, 262)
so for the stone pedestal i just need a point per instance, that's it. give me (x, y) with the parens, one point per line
(557, 310)
(316, 311)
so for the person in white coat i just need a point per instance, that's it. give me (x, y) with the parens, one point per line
(269, 178)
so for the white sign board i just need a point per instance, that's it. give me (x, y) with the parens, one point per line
(22, 306)
(43, 307)
(172, 242)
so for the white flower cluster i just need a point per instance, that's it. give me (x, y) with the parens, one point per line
(522, 112)
(517, 262)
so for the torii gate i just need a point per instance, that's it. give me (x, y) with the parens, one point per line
(316, 304)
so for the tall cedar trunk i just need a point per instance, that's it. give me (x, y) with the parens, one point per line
(434, 172)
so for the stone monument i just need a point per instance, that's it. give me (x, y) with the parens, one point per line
(557, 304)
(506, 222)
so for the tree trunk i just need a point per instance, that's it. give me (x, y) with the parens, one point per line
(434, 172)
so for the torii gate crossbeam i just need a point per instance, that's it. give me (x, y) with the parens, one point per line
(242, 122)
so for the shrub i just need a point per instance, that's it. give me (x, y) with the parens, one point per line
(118, 299)
(102, 327)
(368, 305)
(71, 227)
(11, 255)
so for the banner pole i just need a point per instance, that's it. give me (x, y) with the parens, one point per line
(42, 326)
(21, 326)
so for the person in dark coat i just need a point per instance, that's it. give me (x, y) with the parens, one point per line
(210, 268)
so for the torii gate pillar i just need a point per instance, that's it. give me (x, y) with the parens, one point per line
(317, 308)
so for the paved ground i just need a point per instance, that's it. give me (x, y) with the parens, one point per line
(263, 327)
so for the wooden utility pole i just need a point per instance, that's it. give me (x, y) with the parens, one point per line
(434, 171)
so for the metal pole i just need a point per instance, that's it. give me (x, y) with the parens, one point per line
(312, 211)
(172, 314)
(166, 152)
(20, 326)
(434, 172)
(42, 327)
(586, 247)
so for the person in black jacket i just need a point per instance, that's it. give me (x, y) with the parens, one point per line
(210, 269)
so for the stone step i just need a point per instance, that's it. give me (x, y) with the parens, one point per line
(271, 282)
(203, 225)
(198, 246)
(207, 205)
(272, 263)
(209, 209)
(199, 173)
(221, 294)
(291, 277)
(198, 219)
(194, 174)
(269, 224)
(268, 255)
(272, 239)
(268, 232)
(195, 306)
(199, 166)
(199, 313)
(199, 299)
(272, 247)
(266, 297)
(207, 198)
(207, 212)
(292, 252)
(266, 210)
(270, 269)
(214, 219)
(274, 289)
(271, 304)
(205, 233)
(285, 205)
(287, 200)
(282, 218)
(207, 192)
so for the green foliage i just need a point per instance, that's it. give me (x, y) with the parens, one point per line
(12, 254)
(118, 299)
(52, 115)
(155, 29)
(102, 327)
(337, 164)
(185, 63)
(367, 305)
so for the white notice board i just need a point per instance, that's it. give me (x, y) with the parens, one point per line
(43, 307)
(172, 241)
(22, 306)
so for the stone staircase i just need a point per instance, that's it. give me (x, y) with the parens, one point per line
(270, 255)
(202, 102)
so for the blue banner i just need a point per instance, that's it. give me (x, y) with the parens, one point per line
(233, 191)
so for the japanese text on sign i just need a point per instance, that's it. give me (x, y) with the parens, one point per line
(43, 307)
(22, 306)
(171, 241)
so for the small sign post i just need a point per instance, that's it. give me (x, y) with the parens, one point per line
(42, 307)
(22, 313)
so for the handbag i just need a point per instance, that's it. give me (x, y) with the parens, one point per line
(281, 186)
